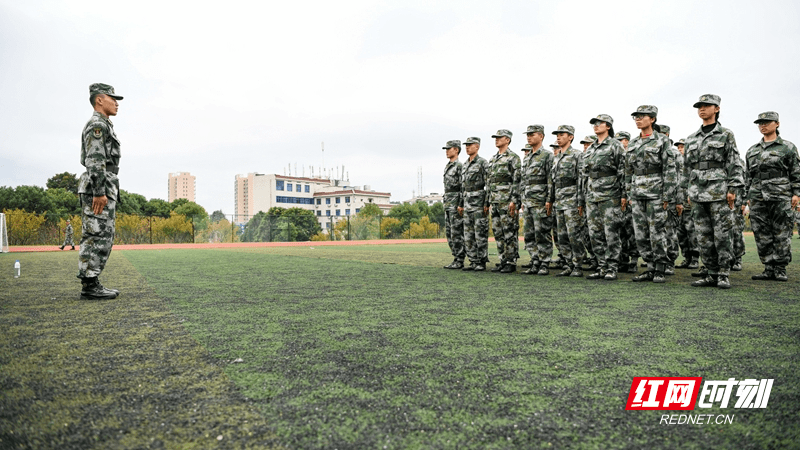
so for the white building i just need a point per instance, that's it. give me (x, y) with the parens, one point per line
(335, 203)
(430, 199)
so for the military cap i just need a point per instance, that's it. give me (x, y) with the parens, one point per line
(681, 142)
(535, 129)
(665, 129)
(768, 116)
(565, 129)
(622, 135)
(649, 110)
(502, 133)
(555, 145)
(100, 88)
(602, 118)
(527, 148)
(708, 99)
(451, 144)
(473, 140)
(589, 139)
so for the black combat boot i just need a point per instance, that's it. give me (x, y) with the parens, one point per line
(780, 273)
(116, 291)
(544, 269)
(695, 262)
(508, 268)
(707, 281)
(685, 263)
(767, 274)
(528, 265)
(702, 273)
(565, 273)
(62, 247)
(598, 275)
(723, 282)
(93, 290)
(644, 276)
(737, 265)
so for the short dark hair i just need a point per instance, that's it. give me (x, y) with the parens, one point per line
(93, 97)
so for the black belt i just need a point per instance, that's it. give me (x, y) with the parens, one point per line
(770, 174)
(112, 168)
(450, 191)
(476, 190)
(602, 174)
(502, 180)
(566, 183)
(703, 165)
(537, 181)
(648, 171)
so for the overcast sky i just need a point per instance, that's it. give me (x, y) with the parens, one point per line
(242, 87)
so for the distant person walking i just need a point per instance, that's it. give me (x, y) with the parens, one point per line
(99, 191)
(68, 237)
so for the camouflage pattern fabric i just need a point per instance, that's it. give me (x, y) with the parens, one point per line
(68, 236)
(566, 196)
(534, 187)
(100, 154)
(687, 239)
(569, 233)
(650, 226)
(98, 237)
(504, 177)
(773, 177)
(453, 199)
(712, 170)
(673, 243)
(476, 223)
(602, 178)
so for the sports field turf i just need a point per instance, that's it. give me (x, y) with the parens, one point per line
(377, 346)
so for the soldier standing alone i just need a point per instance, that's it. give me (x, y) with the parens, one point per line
(99, 191)
(773, 188)
(504, 175)
(712, 175)
(453, 222)
(68, 237)
(476, 202)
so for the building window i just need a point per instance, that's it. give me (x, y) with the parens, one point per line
(338, 199)
(319, 213)
(357, 210)
(338, 212)
(328, 225)
(279, 185)
(370, 200)
(347, 199)
(308, 188)
(319, 201)
(328, 201)
(346, 212)
(289, 186)
(328, 212)
(295, 200)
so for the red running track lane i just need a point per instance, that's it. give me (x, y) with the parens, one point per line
(55, 248)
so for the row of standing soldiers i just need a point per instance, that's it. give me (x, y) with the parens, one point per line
(622, 199)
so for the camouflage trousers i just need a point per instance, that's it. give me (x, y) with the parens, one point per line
(570, 225)
(772, 229)
(687, 239)
(539, 225)
(97, 239)
(605, 223)
(627, 237)
(673, 222)
(68, 241)
(506, 233)
(476, 235)
(454, 230)
(713, 222)
(738, 233)
(650, 226)
(587, 242)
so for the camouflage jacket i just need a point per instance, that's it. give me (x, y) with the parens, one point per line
(603, 174)
(452, 185)
(773, 171)
(565, 179)
(679, 163)
(650, 172)
(100, 154)
(534, 183)
(475, 181)
(711, 165)
(504, 175)
(68, 231)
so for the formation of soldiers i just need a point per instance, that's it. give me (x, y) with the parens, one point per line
(621, 199)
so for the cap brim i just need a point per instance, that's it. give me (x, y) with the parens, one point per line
(699, 104)
(764, 120)
(115, 97)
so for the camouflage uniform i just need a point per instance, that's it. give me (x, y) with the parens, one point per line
(533, 187)
(629, 253)
(566, 196)
(687, 239)
(68, 235)
(773, 170)
(504, 176)
(603, 188)
(100, 154)
(587, 243)
(476, 223)
(737, 233)
(454, 223)
(653, 181)
(711, 171)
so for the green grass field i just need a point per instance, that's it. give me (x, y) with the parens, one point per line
(377, 347)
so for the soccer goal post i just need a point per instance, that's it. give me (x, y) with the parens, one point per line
(3, 234)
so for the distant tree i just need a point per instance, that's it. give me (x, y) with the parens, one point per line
(177, 203)
(156, 207)
(281, 224)
(391, 228)
(406, 213)
(424, 208)
(436, 214)
(26, 198)
(23, 226)
(424, 229)
(217, 215)
(64, 203)
(370, 209)
(130, 203)
(305, 223)
(194, 213)
(66, 180)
